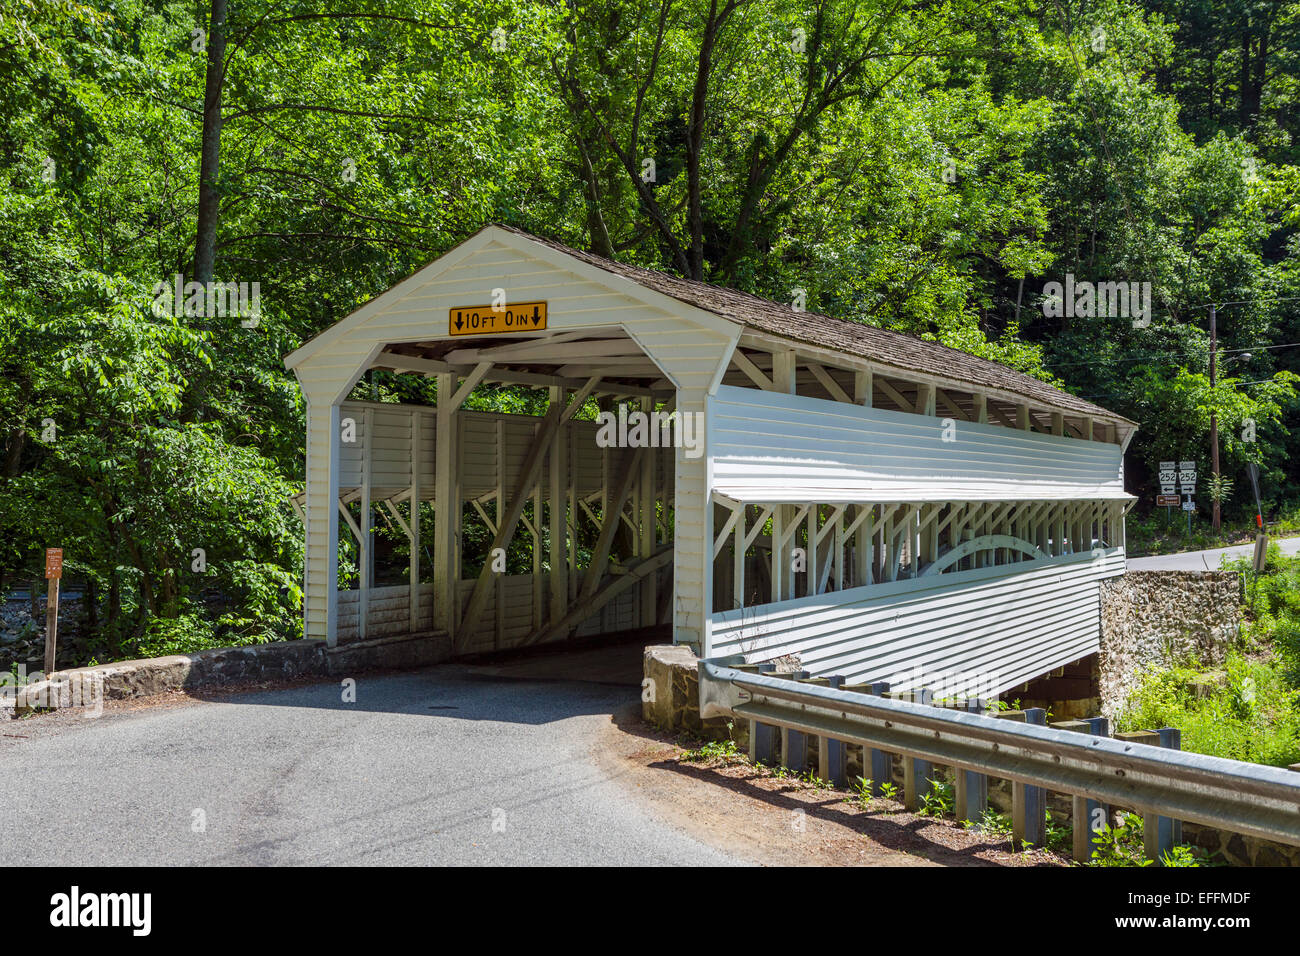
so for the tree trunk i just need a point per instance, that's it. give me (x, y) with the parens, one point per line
(205, 244)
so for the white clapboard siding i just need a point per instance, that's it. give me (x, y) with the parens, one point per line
(390, 455)
(770, 446)
(1007, 624)
(389, 611)
(690, 346)
(517, 615)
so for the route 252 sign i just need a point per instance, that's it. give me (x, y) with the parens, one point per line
(485, 320)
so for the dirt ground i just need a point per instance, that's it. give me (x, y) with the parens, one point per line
(781, 821)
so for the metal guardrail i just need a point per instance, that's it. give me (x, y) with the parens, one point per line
(1170, 784)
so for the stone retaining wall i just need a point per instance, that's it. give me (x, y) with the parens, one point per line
(1164, 618)
(279, 660)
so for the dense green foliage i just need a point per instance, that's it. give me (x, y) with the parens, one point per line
(926, 166)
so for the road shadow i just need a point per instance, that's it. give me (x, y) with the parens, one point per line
(900, 830)
(538, 687)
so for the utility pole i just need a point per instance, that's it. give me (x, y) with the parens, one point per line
(1214, 415)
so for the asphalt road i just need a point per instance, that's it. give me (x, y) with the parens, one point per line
(1204, 560)
(449, 765)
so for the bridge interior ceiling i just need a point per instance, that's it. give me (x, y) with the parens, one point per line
(567, 359)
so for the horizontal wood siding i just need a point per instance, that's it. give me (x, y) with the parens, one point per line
(1007, 624)
(389, 611)
(773, 440)
(516, 615)
(391, 451)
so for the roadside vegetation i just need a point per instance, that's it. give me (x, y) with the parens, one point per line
(1248, 707)
(1161, 533)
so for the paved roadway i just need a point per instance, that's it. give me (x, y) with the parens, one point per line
(415, 772)
(1204, 560)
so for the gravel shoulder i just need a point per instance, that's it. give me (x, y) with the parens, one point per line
(779, 821)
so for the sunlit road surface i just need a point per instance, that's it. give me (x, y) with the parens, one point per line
(1204, 560)
(450, 765)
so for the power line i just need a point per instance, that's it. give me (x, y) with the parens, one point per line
(1152, 355)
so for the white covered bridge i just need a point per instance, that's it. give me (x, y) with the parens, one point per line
(763, 480)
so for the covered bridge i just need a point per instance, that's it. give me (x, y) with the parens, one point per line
(764, 480)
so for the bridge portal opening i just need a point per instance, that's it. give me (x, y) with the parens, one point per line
(531, 503)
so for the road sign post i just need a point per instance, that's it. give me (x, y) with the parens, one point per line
(1187, 486)
(53, 572)
(1168, 489)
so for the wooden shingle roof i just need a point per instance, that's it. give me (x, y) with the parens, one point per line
(896, 349)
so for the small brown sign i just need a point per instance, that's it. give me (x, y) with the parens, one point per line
(54, 562)
(487, 320)
(1167, 501)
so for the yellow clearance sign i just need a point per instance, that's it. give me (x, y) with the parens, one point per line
(485, 320)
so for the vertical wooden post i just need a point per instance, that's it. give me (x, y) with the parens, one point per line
(780, 561)
(53, 572)
(647, 519)
(539, 590)
(914, 545)
(446, 510)
(840, 546)
(51, 624)
(811, 565)
(1161, 834)
(878, 765)
(417, 424)
(738, 560)
(1087, 820)
(917, 773)
(559, 523)
(762, 737)
(365, 549)
(971, 788)
(785, 380)
(863, 388)
(794, 743)
(832, 755)
(1029, 804)
(925, 399)
(499, 629)
(571, 518)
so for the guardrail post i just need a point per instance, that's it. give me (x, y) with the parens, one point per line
(971, 789)
(917, 773)
(833, 755)
(1150, 821)
(1029, 804)
(878, 765)
(762, 737)
(1159, 834)
(794, 743)
(1090, 816)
